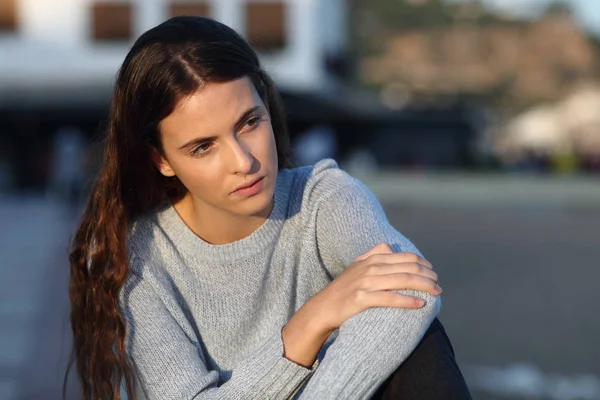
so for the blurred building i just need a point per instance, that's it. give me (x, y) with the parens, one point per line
(69, 50)
(59, 58)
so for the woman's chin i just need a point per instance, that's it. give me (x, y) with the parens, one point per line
(258, 206)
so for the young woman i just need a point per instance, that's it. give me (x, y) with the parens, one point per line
(205, 268)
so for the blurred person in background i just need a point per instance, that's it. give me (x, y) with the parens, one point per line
(67, 173)
(206, 267)
(5, 167)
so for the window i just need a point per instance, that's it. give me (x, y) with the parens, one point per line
(111, 21)
(189, 8)
(266, 25)
(8, 15)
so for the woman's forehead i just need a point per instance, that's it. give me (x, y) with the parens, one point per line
(215, 106)
(215, 95)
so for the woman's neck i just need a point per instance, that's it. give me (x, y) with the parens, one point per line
(218, 226)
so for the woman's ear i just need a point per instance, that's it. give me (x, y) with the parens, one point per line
(161, 163)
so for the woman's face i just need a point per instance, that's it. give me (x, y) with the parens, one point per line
(218, 140)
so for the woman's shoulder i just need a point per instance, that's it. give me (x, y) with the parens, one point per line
(323, 178)
(142, 226)
(146, 235)
(311, 186)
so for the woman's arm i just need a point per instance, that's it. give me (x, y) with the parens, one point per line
(372, 344)
(171, 364)
(370, 281)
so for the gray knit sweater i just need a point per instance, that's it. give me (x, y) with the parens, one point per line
(204, 321)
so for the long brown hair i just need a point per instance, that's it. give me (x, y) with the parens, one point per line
(166, 64)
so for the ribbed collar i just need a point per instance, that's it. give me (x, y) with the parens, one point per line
(258, 241)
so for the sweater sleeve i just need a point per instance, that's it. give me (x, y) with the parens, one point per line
(372, 344)
(170, 362)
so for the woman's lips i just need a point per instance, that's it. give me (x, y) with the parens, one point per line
(250, 190)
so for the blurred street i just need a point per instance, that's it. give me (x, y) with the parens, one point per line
(34, 330)
(520, 287)
(520, 283)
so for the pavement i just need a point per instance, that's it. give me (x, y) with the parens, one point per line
(34, 334)
(452, 189)
(518, 260)
(520, 295)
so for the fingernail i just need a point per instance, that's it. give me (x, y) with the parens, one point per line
(439, 289)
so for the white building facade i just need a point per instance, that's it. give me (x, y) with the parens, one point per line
(57, 49)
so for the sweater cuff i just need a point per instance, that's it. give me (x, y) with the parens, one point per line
(281, 377)
(358, 383)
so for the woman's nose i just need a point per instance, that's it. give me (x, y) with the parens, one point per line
(242, 159)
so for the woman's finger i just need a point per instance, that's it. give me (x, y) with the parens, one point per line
(391, 299)
(395, 258)
(401, 281)
(381, 248)
(411, 268)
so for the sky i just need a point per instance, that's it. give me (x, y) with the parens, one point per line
(586, 11)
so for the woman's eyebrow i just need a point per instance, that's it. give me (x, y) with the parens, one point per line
(197, 141)
(238, 124)
(245, 116)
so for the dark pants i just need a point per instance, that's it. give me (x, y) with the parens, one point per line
(429, 373)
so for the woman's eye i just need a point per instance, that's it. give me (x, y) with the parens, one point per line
(201, 149)
(252, 122)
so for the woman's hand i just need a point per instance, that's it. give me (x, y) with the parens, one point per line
(370, 281)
